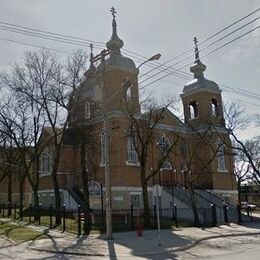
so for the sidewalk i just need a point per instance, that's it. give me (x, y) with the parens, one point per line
(129, 244)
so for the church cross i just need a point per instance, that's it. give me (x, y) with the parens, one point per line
(91, 47)
(113, 12)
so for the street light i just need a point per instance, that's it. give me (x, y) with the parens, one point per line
(154, 57)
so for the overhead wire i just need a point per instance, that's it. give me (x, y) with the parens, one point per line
(208, 53)
(201, 50)
(41, 34)
(203, 41)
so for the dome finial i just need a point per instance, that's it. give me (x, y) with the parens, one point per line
(115, 43)
(92, 66)
(197, 55)
(198, 67)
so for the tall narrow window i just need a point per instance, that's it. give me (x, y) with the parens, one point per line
(193, 109)
(221, 156)
(46, 161)
(87, 110)
(128, 94)
(131, 152)
(102, 148)
(214, 107)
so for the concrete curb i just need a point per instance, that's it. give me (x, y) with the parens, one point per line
(182, 248)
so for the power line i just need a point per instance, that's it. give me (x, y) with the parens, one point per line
(43, 36)
(203, 41)
(207, 46)
(52, 33)
(32, 45)
(210, 52)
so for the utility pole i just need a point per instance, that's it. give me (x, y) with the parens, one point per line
(107, 179)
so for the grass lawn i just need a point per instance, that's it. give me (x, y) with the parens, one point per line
(19, 233)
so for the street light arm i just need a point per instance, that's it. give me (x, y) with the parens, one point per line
(154, 57)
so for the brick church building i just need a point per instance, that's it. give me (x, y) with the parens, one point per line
(112, 81)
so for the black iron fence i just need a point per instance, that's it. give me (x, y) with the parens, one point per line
(123, 219)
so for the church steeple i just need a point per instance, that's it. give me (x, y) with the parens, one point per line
(198, 67)
(115, 43)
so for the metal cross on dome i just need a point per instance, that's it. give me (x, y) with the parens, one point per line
(113, 12)
(91, 47)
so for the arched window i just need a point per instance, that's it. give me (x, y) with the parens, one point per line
(87, 110)
(166, 165)
(46, 161)
(164, 144)
(193, 109)
(128, 94)
(131, 151)
(214, 107)
(221, 156)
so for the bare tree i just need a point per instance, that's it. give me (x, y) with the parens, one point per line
(143, 132)
(237, 119)
(47, 83)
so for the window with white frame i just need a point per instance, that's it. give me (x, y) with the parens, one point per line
(87, 110)
(131, 151)
(102, 148)
(221, 156)
(164, 144)
(46, 161)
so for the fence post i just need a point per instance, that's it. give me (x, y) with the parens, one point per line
(30, 213)
(239, 216)
(225, 208)
(176, 216)
(21, 213)
(63, 216)
(154, 216)
(213, 215)
(39, 212)
(15, 211)
(79, 220)
(132, 217)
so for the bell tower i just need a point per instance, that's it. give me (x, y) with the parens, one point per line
(117, 75)
(201, 98)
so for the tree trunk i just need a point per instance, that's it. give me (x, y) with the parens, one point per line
(21, 194)
(9, 193)
(55, 183)
(57, 199)
(85, 179)
(193, 205)
(35, 200)
(147, 221)
(239, 192)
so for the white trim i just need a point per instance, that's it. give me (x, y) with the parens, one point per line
(223, 171)
(132, 163)
(135, 193)
(224, 191)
